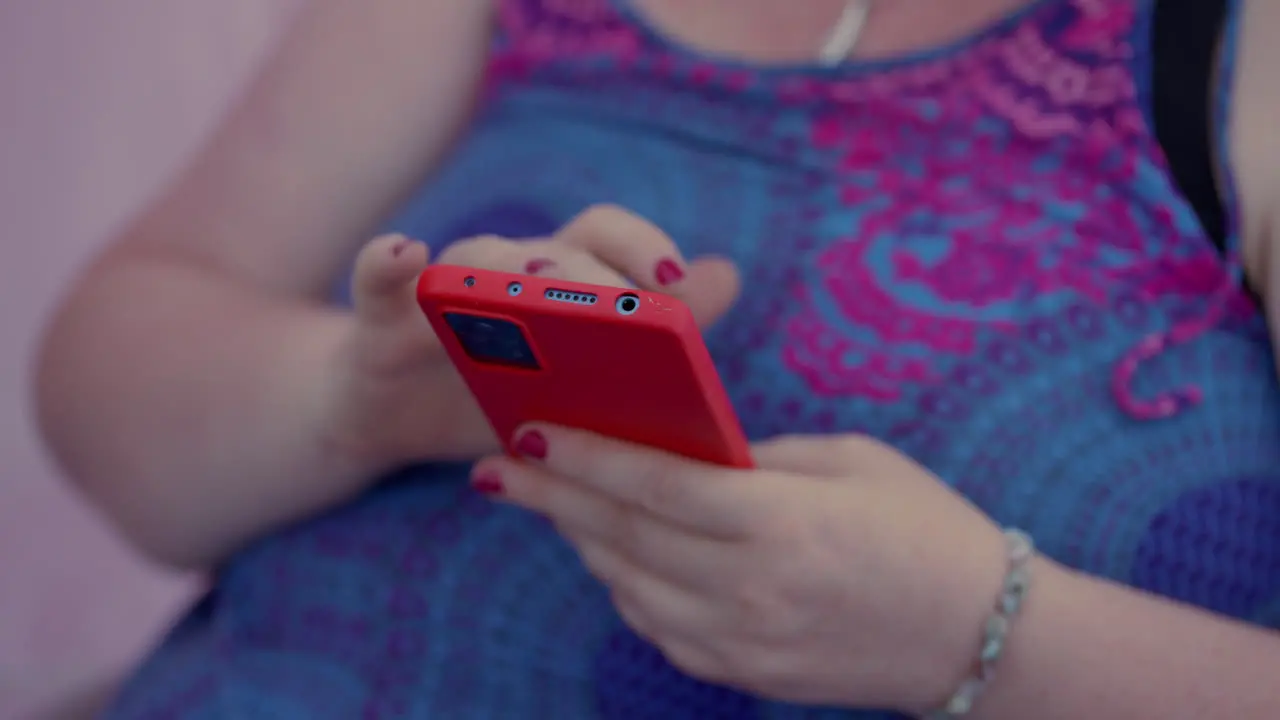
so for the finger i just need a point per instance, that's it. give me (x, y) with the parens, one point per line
(640, 251)
(694, 563)
(532, 257)
(565, 263)
(674, 621)
(706, 499)
(654, 609)
(634, 616)
(711, 291)
(586, 517)
(713, 286)
(655, 596)
(489, 252)
(626, 242)
(832, 456)
(807, 454)
(382, 283)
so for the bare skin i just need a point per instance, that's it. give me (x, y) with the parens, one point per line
(241, 251)
(183, 382)
(201, 333)
(197, 387)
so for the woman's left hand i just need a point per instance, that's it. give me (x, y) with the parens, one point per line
(839, 572)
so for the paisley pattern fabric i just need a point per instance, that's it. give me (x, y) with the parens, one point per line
(951, 252)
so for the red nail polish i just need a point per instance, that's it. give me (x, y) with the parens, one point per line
(537, 265)
(532, 444)
(668, 272)
(488, 483)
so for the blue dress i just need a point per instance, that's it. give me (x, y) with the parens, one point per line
(976, 255)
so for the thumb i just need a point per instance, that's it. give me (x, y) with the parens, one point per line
(710, 287)
(382, 284)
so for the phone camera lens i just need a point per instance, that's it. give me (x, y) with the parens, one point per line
(514, 289)
(470, 281)
(627, 304)
(494, 341)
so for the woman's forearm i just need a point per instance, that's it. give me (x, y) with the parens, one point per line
(188, 406)
(1087, 648)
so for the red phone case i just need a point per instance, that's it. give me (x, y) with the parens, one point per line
(641, 375)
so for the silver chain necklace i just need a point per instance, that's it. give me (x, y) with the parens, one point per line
(845, 33)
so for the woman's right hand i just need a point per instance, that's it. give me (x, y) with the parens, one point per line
(399, 399)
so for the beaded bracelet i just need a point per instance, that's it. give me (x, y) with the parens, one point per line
(1020, 548)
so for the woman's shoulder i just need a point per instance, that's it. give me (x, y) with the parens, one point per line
(1253, 57)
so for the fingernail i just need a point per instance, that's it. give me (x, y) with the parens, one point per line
(400, 246)
(537, 265)
(667, 272)
(532, 444)
(488, 483)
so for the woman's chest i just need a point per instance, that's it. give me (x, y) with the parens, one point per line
(878, 249)
(966, 297)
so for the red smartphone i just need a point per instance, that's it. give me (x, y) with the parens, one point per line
(622, 363)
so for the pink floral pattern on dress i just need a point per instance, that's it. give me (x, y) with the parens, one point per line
(539, 32)
(950, 254)
(954, 233)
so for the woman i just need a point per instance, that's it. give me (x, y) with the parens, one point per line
(968, 260)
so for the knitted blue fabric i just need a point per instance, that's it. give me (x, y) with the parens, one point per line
(952, 252)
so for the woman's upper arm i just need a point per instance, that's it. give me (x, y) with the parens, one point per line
(1255, 149)
(358, 100)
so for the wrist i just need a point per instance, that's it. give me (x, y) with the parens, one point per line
(1024, 649)
(970, 653)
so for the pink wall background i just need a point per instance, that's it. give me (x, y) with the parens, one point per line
(99, 102)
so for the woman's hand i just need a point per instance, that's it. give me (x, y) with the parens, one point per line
(398, 400)
(839, 572)
(607, 245)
